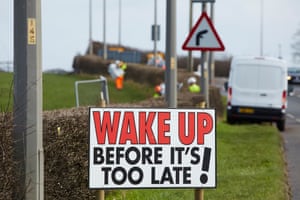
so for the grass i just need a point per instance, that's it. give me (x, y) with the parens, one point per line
(59, 91)
(6, 91)
(250, 163)
(250, 166)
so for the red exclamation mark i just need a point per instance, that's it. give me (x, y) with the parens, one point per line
(205, 165)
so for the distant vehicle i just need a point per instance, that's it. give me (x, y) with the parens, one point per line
(294, 74)
(257, 90)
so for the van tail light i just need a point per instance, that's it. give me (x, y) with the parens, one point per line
(284, 98)
(229, 96)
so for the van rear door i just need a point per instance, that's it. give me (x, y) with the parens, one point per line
(258, 85)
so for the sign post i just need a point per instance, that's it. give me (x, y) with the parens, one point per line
(152, 148)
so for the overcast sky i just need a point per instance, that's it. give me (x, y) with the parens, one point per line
(65, 26)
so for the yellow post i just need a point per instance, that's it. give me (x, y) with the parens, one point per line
(199, 194)
(100, 195)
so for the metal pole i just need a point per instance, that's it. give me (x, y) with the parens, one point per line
(204, 73)
(104, 31)
(190, 53)
(262, 28)
(90, 29)
(155, 31)
(171, 59)
(28, 131)
(279, 51)
(20, 95)
(120, 17)
(211, 62)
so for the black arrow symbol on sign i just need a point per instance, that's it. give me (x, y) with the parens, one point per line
(199, 35)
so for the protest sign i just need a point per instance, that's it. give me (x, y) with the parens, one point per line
(152, 148)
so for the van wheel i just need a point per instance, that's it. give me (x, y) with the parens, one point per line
(281, 125)
(230, 120)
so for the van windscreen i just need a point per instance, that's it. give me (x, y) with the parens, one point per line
(264, 77)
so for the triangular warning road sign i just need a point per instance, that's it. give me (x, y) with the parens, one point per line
(203, 36)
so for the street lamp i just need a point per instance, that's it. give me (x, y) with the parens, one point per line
(155, 35)
(261, 27)
(104, 31)
(120, 17)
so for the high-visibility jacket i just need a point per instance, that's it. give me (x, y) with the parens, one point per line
(123, 66)
(194, 88)
(115, 71)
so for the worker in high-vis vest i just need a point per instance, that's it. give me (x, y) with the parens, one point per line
(117, 73)
(193, 86)
(159, 90)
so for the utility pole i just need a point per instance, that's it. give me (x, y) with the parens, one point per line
(155, 32)
(171, 58)
(27, 112)
(104, 31)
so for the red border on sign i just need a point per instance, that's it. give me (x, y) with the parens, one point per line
(221, 48)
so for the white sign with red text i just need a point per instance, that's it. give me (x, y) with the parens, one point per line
(152, 148)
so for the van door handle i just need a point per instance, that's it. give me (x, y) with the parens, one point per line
(263, 94)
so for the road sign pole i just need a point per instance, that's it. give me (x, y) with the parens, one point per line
(190, 53)
(204, 74)
(27, 133)
(211, 60)
(171, 59)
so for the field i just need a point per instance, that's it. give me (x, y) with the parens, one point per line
(250, 162)
(59, 91)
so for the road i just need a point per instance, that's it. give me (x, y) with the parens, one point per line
(291, 138)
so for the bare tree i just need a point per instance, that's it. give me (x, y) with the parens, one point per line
(296, 46)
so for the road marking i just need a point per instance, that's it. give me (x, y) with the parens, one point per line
(290, 116)
(293, 117)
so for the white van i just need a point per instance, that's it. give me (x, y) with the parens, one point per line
(257, 90)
